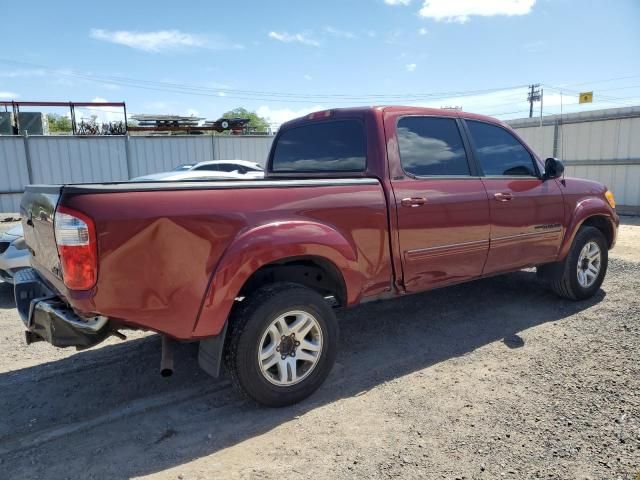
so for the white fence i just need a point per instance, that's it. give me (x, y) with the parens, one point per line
(66, 159)
(602, 145)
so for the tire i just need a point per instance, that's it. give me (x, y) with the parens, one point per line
(252, 333)
(565, 277)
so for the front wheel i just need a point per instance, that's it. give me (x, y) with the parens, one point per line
(580, 275)
(282, 344)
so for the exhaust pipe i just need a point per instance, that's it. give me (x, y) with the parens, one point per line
(166, 361)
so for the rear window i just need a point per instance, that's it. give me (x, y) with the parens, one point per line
(336, 146)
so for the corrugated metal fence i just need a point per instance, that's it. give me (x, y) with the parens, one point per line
(66, 159)
(602, 145)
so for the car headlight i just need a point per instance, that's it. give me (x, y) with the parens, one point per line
(20, 244)
(610, 198)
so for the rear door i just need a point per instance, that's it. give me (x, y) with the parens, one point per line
(526, 212)
(441, 204)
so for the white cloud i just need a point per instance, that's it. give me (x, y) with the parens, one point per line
(158, 41)
(334, 32)
(423, 31)
(34, 72)
(411, 67)
(294, 38)
(461, 10)
(308, 77)
(278, 116)
(192, 112)
(398, 2)
(9, 95)
(222, 94)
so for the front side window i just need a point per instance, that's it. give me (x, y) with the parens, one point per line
(431, 146)
(499, 152)
(334, 146)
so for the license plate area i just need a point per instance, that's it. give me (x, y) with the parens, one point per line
(29, 289)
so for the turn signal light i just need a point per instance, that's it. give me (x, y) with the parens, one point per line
(77, 248)
(610, 198)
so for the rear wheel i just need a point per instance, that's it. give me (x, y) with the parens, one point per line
(582, 272)
(282, 344)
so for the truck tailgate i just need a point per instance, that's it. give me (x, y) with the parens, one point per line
(37, 209)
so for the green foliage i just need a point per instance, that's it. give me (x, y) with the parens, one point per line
(256, 123)
(58, 123)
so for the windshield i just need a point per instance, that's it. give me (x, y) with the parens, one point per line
(183, 168)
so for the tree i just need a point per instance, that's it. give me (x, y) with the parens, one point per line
(256, 123)
(58, 123)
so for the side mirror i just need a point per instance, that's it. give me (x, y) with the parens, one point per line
(553, 168)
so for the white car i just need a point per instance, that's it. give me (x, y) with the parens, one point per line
(190, 175)
(242, 167)
(14, 254)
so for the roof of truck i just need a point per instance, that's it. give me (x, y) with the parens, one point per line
(441, 112)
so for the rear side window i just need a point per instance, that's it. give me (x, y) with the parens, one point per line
(336, 146)
(230, 167)
(499, 152)
(210, 168)
(431, 146)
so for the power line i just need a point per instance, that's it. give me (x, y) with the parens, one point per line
(258, 95)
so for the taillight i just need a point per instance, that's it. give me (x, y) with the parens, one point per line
(76, 240)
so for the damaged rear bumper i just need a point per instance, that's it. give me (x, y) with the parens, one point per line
(48, 318)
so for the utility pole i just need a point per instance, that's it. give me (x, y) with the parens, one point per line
(534, 96)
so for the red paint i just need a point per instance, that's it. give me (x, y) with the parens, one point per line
(515, 238)
(174, 261)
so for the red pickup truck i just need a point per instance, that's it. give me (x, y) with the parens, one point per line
(357, 205)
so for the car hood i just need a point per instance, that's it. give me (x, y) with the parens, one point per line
(12, 234)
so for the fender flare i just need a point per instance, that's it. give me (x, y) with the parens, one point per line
(265, 244)
(585, 209)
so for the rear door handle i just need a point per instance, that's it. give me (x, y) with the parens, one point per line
(502, 196)
(413, 202)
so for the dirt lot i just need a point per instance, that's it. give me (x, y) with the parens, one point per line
(494, 379)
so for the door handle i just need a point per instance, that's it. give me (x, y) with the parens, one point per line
(502, 196)
(413, 202)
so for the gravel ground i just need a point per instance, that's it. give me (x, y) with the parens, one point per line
(497, 378)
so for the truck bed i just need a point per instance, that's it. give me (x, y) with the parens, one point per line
(162, 246)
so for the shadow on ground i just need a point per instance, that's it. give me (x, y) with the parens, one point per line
(6, 295)
(379, 342)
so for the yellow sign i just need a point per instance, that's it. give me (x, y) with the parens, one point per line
(586, 97)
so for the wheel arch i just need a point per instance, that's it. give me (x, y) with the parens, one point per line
(285, 251)
(590, 212)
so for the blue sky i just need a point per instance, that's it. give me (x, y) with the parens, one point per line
(286, 58)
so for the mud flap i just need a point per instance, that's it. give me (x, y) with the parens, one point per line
(210, 353)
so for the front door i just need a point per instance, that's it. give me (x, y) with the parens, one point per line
(526, 212)
(442, 209)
